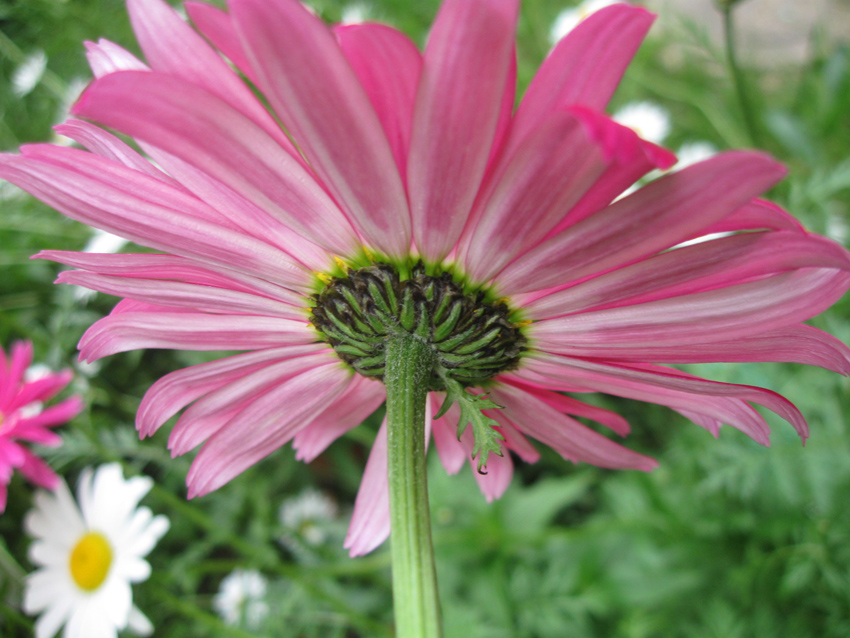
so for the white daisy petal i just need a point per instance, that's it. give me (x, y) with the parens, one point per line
(138, 623)
(42, 589)
(55, 516)
(146, 539)
(134, 570)
(47, 553)
(115, 599)
(51, 620)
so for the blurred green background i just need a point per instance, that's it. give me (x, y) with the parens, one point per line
(726, 539)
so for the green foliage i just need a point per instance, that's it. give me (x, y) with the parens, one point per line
(724, 539)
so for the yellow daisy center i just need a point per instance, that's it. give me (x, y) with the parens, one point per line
(90, 561)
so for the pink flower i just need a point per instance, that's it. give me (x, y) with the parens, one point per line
(22, 418)
(403, 157)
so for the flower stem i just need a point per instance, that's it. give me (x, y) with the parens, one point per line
(409, 361)
(737, 74)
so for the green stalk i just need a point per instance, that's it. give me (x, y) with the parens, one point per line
(409, 361)
(738, 75)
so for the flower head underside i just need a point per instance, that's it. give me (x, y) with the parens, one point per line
(539, 279)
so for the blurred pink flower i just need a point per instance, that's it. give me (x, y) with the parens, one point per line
(22, 418)
(403, 156)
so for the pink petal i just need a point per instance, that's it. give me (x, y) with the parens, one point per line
(38, 472)
(571, 406)
(311, 86)
(656, 217)
(40, 390)
(12, 372)
(52, 416)
(241, 212)
(758, 214)
(176, 390)
(458, 106)
(117, 208)
(189, 331)
(219, 29)
(586, 65)
(452, 453)
(212, 412)
(20, 361)
(199, 128)
(12, 455)
(528, 192)
(503, 125)
(108, 171)
(370, 522)
(264, 426)
(629, 159)
(171, 46)
(154, 266)
(695, 268)
(362, 397)
(107, 145)
(201, 298)
(388, 66)
(106, 57)
(568, 437)
(724, 314)
(792, 344)
(722, 401)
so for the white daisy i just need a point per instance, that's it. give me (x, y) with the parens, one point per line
(241, 598)
(308, 515)
(649, 120)
(89, 556)
(567, 20)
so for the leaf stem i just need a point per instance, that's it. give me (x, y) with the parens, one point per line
(738, 75)
(409, 361)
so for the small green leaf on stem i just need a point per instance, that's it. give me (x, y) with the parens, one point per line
(487, 437)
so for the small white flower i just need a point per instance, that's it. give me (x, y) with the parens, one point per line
(103, 242)
(34, 373)
(241, 598)
(693, 152)
(72, 93)
(100, 242)
(836, 228)
(27, 76)
(11, 193)
(89, 555)
(650, 121)
(355, 13)
(567, 20)
(307, 515)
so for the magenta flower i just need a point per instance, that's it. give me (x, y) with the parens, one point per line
(22, 418)
(417, 201)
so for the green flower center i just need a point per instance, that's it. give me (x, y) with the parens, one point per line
(473, 339)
